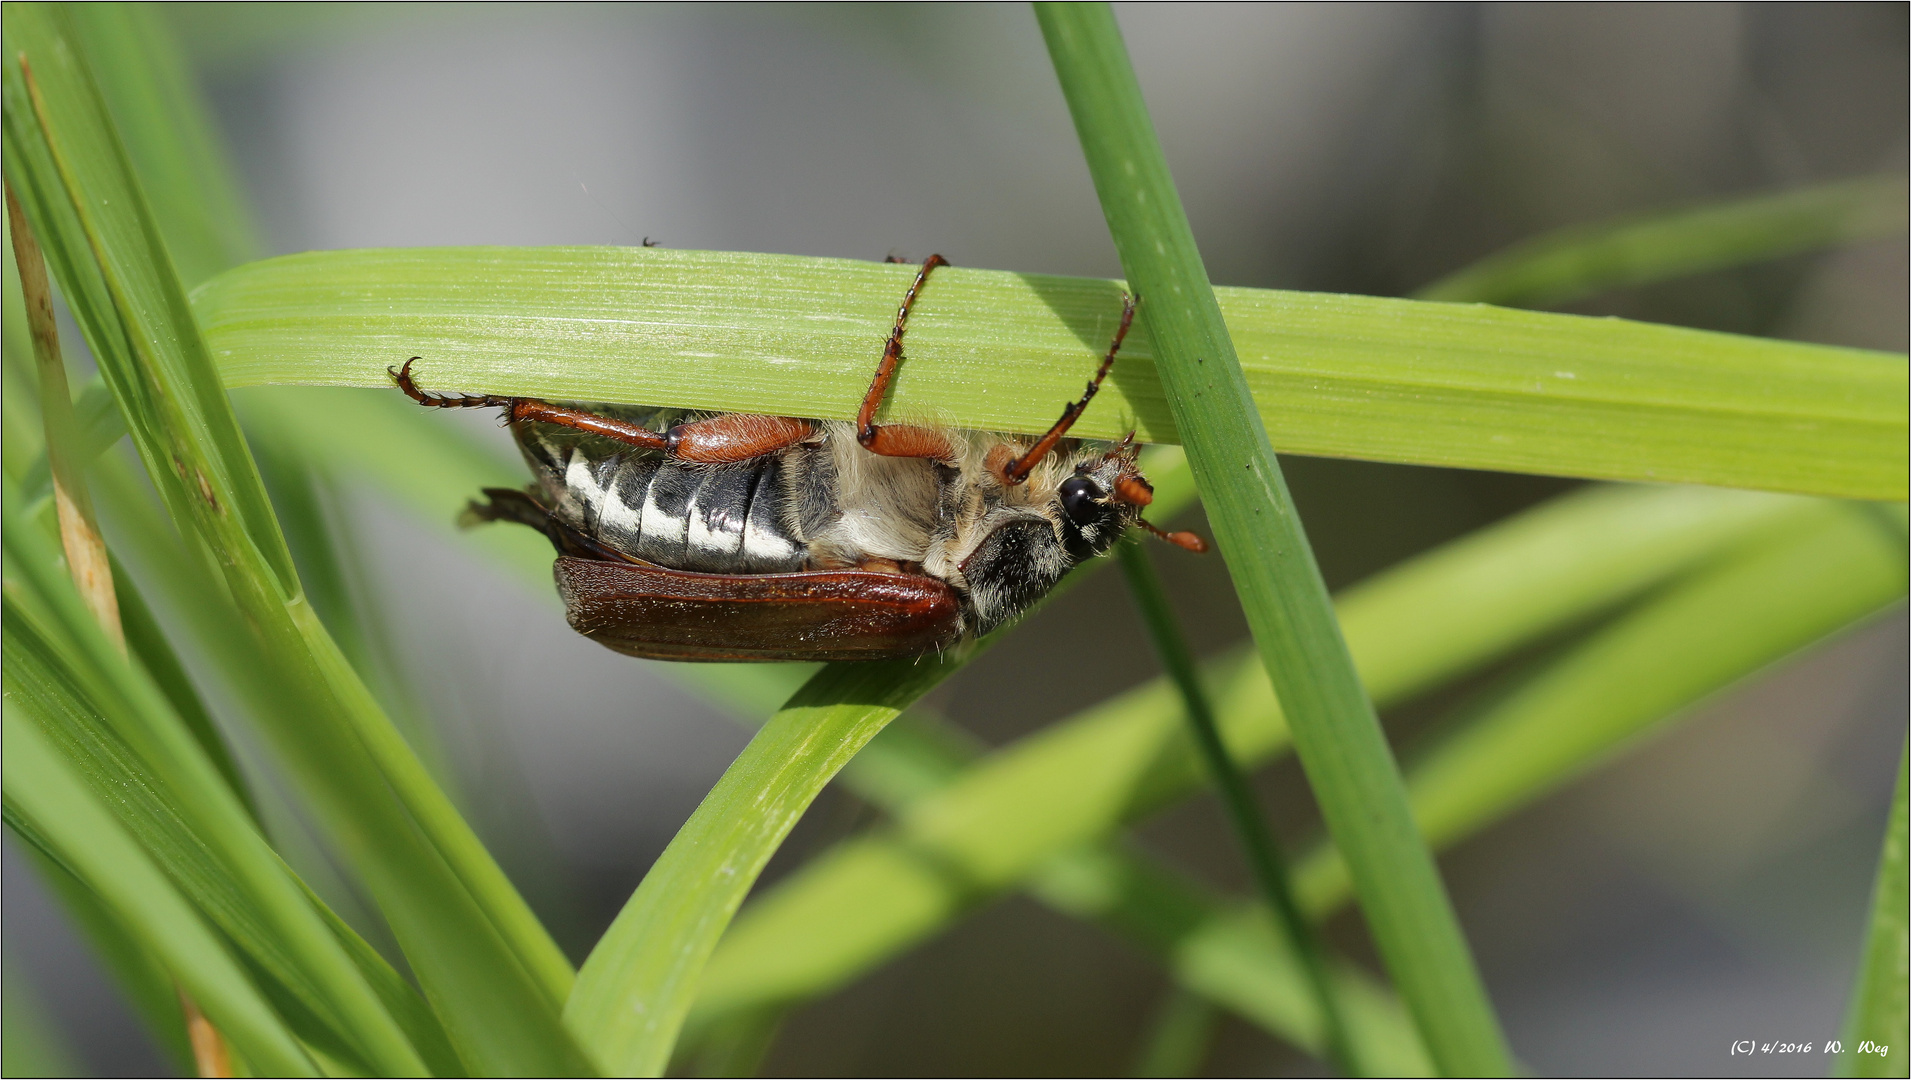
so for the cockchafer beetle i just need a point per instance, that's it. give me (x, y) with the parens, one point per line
(683, 536)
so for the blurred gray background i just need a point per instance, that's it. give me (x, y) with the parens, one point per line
(1709, 886)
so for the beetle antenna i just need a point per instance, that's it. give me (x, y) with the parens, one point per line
(1018, 469)
(1186, 541)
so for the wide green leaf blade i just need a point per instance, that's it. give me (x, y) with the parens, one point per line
(1338, 376)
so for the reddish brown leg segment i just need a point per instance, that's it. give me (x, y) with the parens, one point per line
(899, 440)
(727, 439)
(1017, 470)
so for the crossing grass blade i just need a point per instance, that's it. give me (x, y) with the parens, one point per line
(1573, 263)
(1802, 574)
(1335, 730)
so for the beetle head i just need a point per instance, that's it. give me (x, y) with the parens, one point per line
(1025, 550)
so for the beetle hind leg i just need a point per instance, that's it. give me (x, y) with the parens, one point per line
(720, 440)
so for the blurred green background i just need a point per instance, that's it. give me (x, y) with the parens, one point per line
(1709, 886)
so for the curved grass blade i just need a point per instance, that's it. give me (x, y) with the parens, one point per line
(42, 791)
(1083, 777)
(1335, 730)
(636, 986)
(1875, 1034)
(1573, 263)
(1336, 376)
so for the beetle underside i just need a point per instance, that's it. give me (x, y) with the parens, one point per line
(742, 537)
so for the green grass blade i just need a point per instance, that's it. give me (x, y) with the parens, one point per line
(170, 137)
(1085, 776)
(400, 871)
(1573, 263)
(117, 729)
(43, 791)
(1265, 862)
(1875, 1034)
(150, 991)
(489, 968)
(1335, 730)
(1337, 376)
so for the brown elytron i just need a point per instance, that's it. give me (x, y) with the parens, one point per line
(751, 537)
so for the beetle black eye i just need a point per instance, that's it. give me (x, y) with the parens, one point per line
(1078, 498)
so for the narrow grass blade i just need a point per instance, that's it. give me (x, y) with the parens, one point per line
(170, 138)
(41, 790)
(1875, 1034)
(1335, 730)
(637, 985)
(1584, 260)
(1265, 862)
(1337, 376)
(1083, 777)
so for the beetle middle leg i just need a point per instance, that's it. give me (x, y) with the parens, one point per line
(900, 440)
(719, 440)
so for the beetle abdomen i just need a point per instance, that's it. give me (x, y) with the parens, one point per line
(710, 519)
